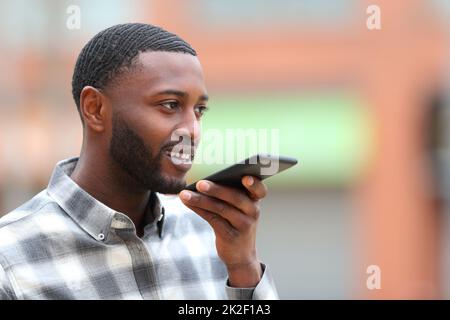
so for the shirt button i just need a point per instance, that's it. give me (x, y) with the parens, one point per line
(101, 237)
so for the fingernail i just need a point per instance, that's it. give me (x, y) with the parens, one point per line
(185, 195)
(250, 181)
(204, 186)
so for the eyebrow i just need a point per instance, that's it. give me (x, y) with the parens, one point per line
(182, 94)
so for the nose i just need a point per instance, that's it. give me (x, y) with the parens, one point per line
(188, 131)
(192, 126)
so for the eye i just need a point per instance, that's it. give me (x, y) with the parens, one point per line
(170, 105)
(201, 109)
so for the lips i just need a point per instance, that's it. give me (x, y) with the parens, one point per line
(182, 154)
(179, 156)
(180, 160)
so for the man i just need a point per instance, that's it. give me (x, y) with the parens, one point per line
(105, 227)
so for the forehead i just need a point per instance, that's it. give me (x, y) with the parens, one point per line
(167, 69)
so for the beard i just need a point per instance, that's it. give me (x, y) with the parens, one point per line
(137, 159)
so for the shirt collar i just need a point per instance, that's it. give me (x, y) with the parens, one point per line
(90, 214)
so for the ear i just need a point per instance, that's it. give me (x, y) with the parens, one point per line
(94, 108)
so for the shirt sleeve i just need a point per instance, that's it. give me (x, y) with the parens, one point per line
(264, 290)
(6, 292)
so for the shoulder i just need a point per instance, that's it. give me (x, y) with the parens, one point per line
(26, 210)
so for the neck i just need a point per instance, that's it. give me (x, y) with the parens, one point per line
(105, 181)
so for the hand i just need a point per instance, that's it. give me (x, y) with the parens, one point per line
(233, 214)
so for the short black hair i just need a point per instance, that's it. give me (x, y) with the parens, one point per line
(112, 51)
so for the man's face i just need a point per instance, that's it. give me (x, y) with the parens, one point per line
(164, 97)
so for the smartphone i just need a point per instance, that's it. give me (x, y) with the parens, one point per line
(261, 166)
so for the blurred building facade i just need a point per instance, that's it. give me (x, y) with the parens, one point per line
(356, 106)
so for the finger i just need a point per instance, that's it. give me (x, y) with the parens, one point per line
(222, 228)
(236, 218)
(255, 186)
(235, 197)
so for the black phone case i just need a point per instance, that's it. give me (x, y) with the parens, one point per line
(232, 175)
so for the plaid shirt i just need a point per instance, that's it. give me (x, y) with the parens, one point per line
(64, 244)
